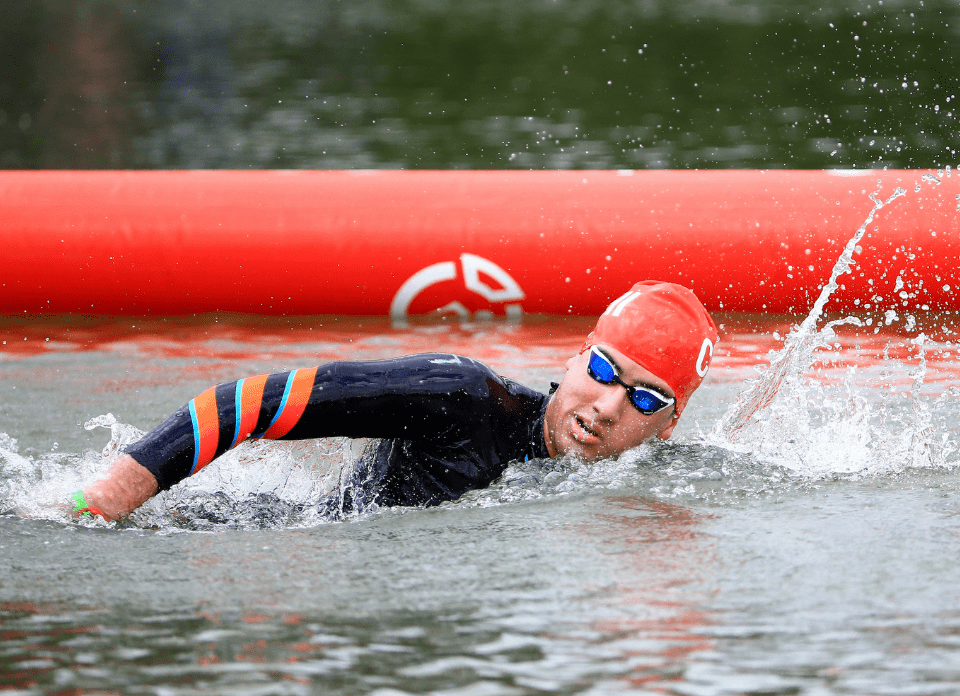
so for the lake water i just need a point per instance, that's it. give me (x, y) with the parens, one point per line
(543, 84)
(815, 553)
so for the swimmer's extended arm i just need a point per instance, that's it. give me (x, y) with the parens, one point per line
(413, 397)
(125, 487)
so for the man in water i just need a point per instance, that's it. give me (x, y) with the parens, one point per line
(445, 424)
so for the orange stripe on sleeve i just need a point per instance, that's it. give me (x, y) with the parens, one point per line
(206, 429)
(251, 398)
(295, 402)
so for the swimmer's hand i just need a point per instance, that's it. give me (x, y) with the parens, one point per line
(125, 487)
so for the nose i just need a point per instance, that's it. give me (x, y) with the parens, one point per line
(609, 401)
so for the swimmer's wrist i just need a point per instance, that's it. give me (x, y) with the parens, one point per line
(80, 506)
(124, 487)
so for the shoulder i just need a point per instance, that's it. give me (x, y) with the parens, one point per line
(443, 369)
(450, 372)
(484, 379)
(427, 373)
(424, 362)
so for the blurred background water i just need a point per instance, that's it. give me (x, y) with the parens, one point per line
(552, 84)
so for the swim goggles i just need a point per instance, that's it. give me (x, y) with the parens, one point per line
(646, 399)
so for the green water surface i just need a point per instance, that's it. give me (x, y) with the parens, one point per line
(547, 84)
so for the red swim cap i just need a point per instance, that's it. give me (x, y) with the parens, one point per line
(663, 328)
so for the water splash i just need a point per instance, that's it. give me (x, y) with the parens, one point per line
(799, 346)
(821, 430)
(258, 484)
(121, 434)
(40, 486)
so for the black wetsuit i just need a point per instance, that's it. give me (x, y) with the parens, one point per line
(445, 424)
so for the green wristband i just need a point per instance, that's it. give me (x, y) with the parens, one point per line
(81, 507)
(79, 502)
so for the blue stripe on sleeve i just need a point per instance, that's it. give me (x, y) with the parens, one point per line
(238, 412)
(283, 401)
(196, 437)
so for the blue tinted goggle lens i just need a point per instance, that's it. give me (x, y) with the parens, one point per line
(646, 400)
(601, 369)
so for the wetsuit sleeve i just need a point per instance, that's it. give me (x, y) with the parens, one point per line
(409, 398)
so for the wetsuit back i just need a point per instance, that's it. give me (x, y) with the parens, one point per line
(447, 424)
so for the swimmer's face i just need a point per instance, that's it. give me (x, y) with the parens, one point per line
(593, 421)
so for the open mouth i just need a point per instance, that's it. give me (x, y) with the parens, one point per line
(586, 428)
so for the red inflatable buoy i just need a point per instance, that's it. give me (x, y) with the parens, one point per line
(471, 243)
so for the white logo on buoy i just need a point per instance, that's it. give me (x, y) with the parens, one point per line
(703, 360)
(508, 293)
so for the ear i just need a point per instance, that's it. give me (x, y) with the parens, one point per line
(667, 430)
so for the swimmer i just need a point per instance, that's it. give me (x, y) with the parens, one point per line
(443, 424)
